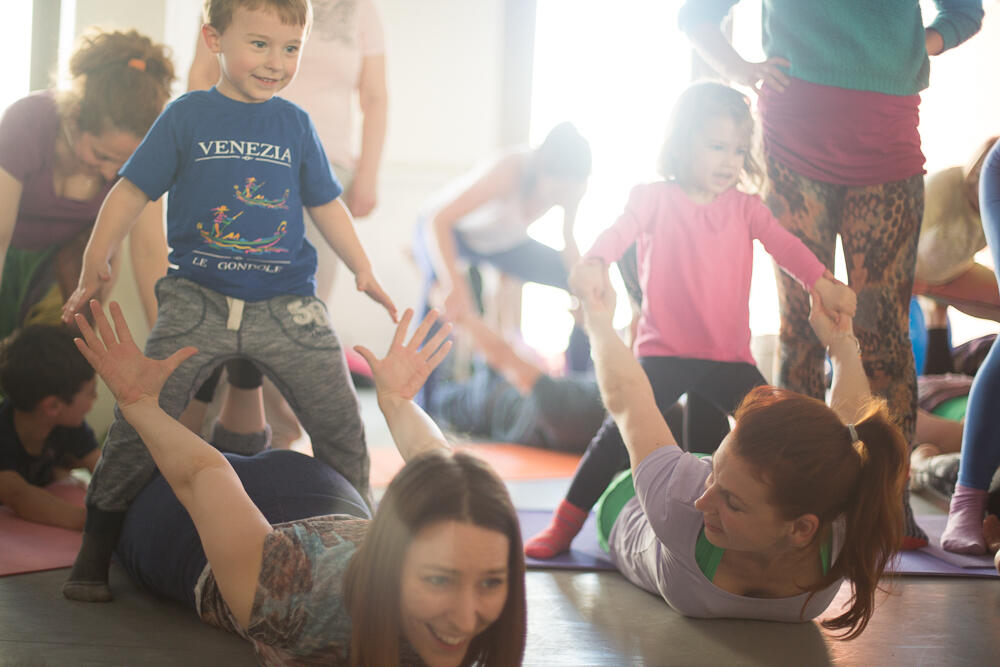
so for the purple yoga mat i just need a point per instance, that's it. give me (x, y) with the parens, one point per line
(587, 554)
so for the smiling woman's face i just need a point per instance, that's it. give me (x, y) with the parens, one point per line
(452, 587)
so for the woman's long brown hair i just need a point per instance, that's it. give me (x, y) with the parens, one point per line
(437, 486)
(803, 450)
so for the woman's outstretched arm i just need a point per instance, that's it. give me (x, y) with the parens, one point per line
(851, 391)
(625, 389)
(231, 528)
(398, 377)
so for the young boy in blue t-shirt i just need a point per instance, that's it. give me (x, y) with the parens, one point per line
(239, 165)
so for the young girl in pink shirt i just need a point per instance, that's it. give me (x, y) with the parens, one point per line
(694, 236)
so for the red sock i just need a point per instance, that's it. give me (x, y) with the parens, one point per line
(566, 523)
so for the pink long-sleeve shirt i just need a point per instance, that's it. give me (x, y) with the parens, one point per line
(695, 262)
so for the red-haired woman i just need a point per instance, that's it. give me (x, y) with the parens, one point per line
(60, 152)
(435, 578)
(797, 498)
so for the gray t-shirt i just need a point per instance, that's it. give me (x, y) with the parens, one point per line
(653, 546)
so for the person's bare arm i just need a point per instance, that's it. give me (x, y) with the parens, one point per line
(501, 178)
(334, 222)
(148, 250)
(361, 197)
(851, 391)
(10, 201)
(231, 528)
(625, 389)
(500, 355)
(33, 503)
(204, 71)
(713, 46)
(400, 375)
(118, 214)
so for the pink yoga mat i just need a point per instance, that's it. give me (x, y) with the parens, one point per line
(32, 547)
(586, 553)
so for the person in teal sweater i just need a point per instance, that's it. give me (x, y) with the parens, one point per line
(838, 100)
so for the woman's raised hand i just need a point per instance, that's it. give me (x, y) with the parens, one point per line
(130, 375)
(406, 365)
(827, 326)
(591, 285)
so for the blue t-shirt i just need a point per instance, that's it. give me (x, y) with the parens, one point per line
(238, 175)
(63, 448)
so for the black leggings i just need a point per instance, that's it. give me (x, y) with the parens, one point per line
(722, 383)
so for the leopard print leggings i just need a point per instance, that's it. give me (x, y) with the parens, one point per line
(878, 226)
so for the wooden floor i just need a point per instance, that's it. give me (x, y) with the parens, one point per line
(574, 619)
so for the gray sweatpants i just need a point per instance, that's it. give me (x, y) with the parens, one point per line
(290, 340)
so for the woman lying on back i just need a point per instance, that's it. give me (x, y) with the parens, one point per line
(798, 497)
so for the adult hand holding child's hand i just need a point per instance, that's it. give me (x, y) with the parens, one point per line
(589, 282)
(828, 326)
(838, 299)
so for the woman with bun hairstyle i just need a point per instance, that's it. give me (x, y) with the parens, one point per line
(60, 151)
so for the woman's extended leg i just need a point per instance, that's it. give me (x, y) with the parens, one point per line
(880, 229)
(981, 439)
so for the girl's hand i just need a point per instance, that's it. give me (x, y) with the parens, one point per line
(590, 283)
(130, 375)
(366, 282)
(826, 326)
(838, 299)
(768, 73)
(587, 279)
(406, 365)
(95, 278)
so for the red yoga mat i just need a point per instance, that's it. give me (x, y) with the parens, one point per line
(32, 547)
(511, 462)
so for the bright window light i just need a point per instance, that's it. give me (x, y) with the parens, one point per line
(15, 50)
(615, 77)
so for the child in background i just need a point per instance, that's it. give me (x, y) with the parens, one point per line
(694, 234)
(240, 164)
(50, 387)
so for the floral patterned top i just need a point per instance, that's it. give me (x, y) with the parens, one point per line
(298, 615)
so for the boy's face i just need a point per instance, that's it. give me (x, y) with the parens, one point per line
(259, 54)
(71, 414)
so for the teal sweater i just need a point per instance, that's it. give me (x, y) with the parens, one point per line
(873, 45)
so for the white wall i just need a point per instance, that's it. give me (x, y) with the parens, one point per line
(444, 61)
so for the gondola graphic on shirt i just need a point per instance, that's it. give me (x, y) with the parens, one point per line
(220, 236)
(249, 194)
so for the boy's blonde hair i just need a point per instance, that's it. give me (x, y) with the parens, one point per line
(700, 102)
(219, 13)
